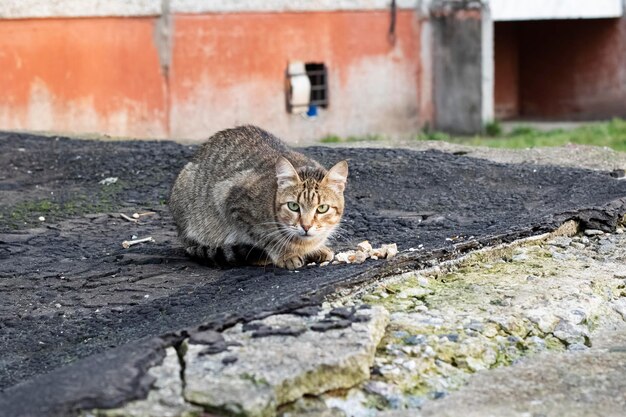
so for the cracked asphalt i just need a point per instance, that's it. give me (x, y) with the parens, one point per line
(76, 304)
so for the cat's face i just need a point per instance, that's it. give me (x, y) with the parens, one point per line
(310, 205)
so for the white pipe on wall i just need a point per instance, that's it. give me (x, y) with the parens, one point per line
(510, 10)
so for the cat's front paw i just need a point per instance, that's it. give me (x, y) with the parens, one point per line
(291, 263)
(322, 254)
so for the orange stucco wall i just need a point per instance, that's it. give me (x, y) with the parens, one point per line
(106, 75)
(230, 69)
(82, 75)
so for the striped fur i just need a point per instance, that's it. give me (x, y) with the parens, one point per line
(231, 203)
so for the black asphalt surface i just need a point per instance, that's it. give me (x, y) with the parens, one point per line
(81, 318)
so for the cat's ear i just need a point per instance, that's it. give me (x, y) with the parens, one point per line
(286, 174)
(337, 176)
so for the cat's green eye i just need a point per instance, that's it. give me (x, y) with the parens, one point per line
(293, 206)
(323, 208)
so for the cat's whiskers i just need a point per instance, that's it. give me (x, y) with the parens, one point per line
(279, 230)
(280, 244)
(340, 234)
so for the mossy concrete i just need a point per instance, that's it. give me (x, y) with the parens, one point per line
(492, 310)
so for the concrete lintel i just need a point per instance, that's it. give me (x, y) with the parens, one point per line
(229, 6)
(24, 9)
(511, 10)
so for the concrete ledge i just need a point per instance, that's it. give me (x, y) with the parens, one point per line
(22, 9)
(224, 6)
(509, 10)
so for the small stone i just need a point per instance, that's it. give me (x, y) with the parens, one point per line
(391, 250)
(325, 263)
(374, 257)
(520, 257)
(577, 316)
(108, 181)
(569, 333)
(576, 347)
(429, 352)
(423, 281)
(344, 256)
(544, 320)
(364, 246)
(136, 215)
(417, 292)
(409, 365)
(475, 325)
(207, 337)
(452, 337)
(415, 340)
(593, 232)
(560, 241)
(536, 343)
(578, 245)
(559, 256)
(475, 364)
(42, 219)
(228, 360)
(414, 401)
(360, 257)
(606, 247)
(57, 305)
(342, 312)
(490, 330)
(438, 395)
(370, 298)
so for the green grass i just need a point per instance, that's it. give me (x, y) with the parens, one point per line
(610, 134)
(339, 139)
(331, 139)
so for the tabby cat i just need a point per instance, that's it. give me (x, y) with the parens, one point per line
(246, 197)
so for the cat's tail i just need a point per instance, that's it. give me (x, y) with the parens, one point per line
(226, 255)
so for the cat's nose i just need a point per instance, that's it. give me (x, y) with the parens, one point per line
(306, 228)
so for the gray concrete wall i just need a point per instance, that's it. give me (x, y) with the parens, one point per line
(458, 88)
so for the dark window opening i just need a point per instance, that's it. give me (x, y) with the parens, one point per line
(318, 75)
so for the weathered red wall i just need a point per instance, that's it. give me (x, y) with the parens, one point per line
(506, 56)
(82, 75)
(105, 74)
(568, 69)
(230, 69)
